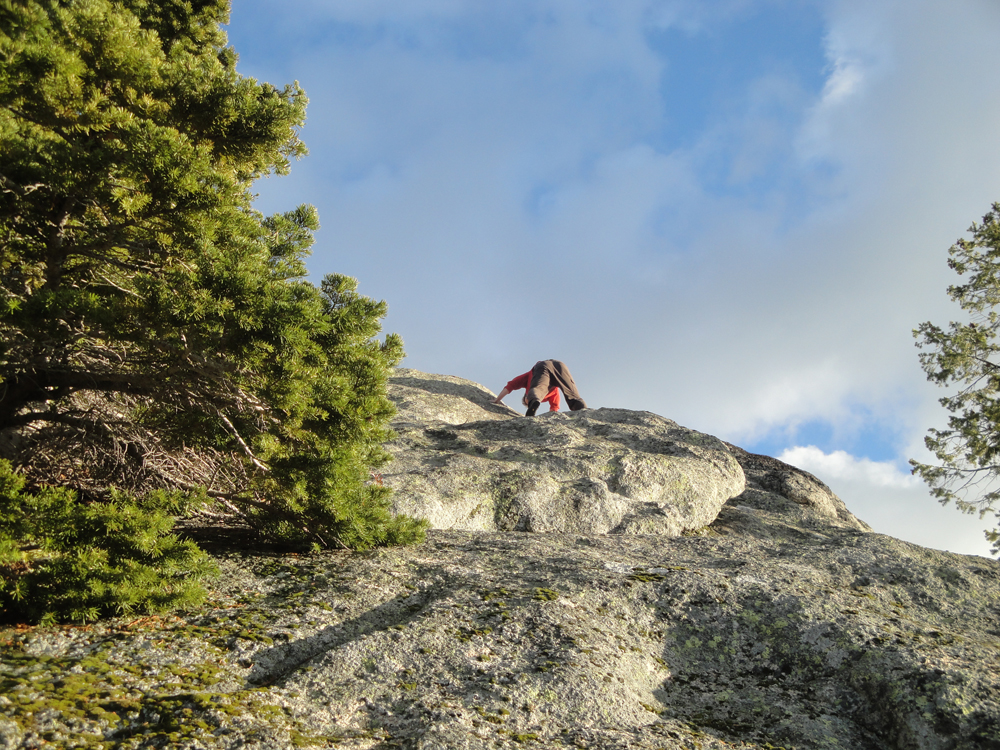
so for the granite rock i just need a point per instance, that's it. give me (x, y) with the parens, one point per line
(462, 462)
(785, 622)
(756, 633)
(790, 493)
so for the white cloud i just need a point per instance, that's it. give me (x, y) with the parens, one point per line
(845, 80)
(840, 465)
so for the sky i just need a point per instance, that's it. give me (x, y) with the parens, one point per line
(731, 213)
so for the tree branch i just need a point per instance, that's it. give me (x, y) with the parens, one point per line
(243, 446)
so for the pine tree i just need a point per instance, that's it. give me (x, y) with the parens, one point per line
(157, 332)
(968, 354)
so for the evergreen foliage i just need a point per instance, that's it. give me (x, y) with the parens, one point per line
(63, 559)
(157, 332)
(968, 354)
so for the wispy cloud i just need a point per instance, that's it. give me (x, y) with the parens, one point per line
(731, 214)
(840, 465)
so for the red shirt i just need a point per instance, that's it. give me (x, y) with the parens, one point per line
(523, 381)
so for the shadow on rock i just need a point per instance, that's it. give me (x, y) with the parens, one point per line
(271, 665)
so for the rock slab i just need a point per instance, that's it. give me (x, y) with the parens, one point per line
(783, 623)
(760, 633)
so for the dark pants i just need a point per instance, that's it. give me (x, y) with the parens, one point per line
(549, 374)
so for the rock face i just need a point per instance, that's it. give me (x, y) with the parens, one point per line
(463, 462)
(785, 622)
(783, 493)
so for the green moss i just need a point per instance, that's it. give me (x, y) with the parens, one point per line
(96, 695)
(495, 594)
(465, 634)
(646, 577)
(545, 595)
(304, 739)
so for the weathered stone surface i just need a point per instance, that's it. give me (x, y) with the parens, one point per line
(756, 634)
(794, 494)
(784, 623)
(424, 399)
(465, 463)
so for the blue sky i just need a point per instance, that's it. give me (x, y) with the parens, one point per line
(730, 213)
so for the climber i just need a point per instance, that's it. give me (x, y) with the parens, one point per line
(542, 383)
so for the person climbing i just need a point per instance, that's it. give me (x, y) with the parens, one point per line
(542, 383)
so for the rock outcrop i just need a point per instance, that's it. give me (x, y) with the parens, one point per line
(784, 622)
(465, 463)
(785, 492)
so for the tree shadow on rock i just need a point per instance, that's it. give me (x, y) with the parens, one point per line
(270, 665)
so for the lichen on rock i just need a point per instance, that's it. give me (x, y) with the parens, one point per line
(785, 622)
